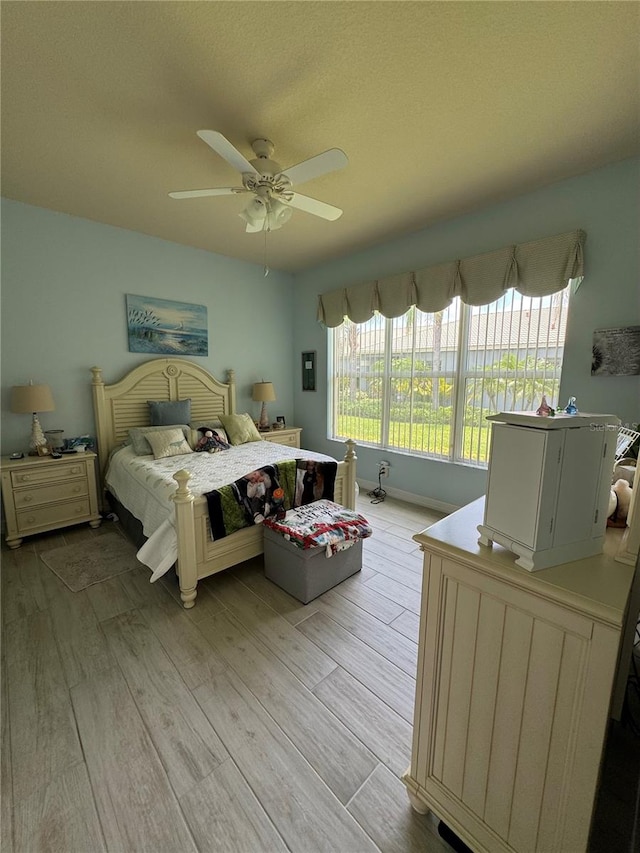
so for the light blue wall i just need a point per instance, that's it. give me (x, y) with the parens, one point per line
(604, 203)
(64, 281)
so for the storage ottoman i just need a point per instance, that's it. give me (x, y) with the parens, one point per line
(295, 549)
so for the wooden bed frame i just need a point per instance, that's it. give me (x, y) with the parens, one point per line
(123, 405)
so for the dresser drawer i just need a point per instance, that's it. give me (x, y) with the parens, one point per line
(52, 514)
(25, 498)
(290, 437)
(52, 473)
(291, 440)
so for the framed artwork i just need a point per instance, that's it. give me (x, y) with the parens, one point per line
(281, 421)
(166, 327)
(309, 371)
(616, 352)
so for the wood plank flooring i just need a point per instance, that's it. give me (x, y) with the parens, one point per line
(251, 723)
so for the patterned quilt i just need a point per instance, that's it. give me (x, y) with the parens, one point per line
(269, 491)
(323, 524)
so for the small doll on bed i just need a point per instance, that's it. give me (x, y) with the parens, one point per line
(210, 442)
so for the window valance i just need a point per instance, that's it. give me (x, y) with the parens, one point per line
(538, 268)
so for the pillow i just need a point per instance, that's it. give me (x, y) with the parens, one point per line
(197, 428)
(240, 428)
(168, 442)
(138, 437)
(169, 412)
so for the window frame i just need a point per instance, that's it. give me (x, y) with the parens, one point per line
(462, 374)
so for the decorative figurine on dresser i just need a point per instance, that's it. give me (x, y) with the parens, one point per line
(549, 485)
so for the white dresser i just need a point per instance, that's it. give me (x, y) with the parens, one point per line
(514, 682)
(548, 485)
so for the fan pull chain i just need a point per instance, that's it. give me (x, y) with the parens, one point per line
(266, 266)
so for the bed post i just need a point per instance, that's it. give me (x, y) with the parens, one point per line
(350, 460)
(186, 533)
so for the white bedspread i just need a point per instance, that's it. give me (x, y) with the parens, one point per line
(145, 485)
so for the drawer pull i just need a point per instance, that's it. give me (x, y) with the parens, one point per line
(76, 469)
(79, 510)
(77, 489)
(27, 499)
(23, 478)
(31, 519)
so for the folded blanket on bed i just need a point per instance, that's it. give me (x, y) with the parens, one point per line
(261, 493)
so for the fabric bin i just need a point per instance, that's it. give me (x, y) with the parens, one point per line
(319, 529)
(307, 573)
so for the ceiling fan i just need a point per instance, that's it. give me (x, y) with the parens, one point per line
(270, 184)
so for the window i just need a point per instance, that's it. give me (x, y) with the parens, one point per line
(424, 383)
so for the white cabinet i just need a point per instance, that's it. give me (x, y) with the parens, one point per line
(548, 486)
(515, 675)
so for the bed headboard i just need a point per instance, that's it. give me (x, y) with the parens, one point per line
(123, 405)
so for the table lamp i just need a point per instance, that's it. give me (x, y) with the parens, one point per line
(32, 399)
(263, 393)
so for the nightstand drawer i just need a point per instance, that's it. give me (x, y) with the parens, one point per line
(25, 498)
(289, 436)
(290, 439)
(51, 473)
(30, 519)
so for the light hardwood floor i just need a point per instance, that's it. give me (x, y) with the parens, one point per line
(250, 723)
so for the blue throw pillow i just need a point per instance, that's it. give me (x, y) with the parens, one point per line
(168, 412)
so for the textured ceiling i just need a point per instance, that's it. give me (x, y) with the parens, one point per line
(441, 107)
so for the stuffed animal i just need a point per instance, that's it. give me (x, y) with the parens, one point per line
(209, 442)
(620, 500)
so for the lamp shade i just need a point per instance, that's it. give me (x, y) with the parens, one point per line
(254, 214)
(277, 215)
(263, 392)
(27, 399)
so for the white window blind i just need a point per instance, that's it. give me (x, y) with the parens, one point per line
(423, 383)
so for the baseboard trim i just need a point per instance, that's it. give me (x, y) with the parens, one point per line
(409, 497)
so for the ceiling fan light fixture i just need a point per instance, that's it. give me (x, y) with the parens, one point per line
(265, 214)
(277, 214)
(255, 212)
(273, 198)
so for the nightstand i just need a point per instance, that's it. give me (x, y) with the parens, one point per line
(41, 493)
(288, 435)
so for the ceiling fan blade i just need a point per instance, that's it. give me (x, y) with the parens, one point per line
(328, 161)
(254, 227)
(225, 149)
(317, 208)
(214, 191)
